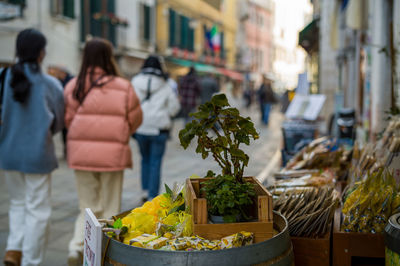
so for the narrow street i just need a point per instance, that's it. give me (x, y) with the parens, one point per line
(178, 164)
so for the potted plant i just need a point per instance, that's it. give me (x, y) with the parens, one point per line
(220, 130)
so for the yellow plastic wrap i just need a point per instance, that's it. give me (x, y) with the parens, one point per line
(370, 205)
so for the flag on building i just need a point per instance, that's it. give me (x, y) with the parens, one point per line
(214, 39)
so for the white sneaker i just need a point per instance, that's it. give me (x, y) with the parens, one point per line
(75, 258)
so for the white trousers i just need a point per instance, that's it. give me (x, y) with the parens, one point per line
(99, 191)
(29, 214)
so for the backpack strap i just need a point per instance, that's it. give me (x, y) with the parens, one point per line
(2, 79)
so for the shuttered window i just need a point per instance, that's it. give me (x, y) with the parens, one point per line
(95, 27)
(172, 15)
(222, 54)
(65, 8)
(69, 8)
(181, 35)
(146, 22)
(191, 40)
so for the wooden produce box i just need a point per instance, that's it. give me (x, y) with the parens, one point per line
(262, 209)
(312, 251)
(348, 247)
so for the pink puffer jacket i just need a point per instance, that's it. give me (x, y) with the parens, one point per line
(99, 130)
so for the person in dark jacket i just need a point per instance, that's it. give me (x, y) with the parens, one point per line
(32, 112)
(209, 86)
(189, 92)
(64, 77)
(266, 98)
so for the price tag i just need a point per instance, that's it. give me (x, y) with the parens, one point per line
(93, 239)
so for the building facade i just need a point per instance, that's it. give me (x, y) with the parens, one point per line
(128, 24)
(254, 39)
(184, 31)
(289, 58)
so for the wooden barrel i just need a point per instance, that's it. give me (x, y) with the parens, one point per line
(275, 251)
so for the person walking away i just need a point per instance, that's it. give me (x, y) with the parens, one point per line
(209, 87)
(266, 99)
(64, 77)
(172, 83)
(159, 103)
(102, 111)
(189, 92)
(32, 110)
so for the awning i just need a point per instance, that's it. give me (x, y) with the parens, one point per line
(309, 36)
(232, 74)
(203, 68)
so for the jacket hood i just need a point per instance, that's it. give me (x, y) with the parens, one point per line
(142, 81)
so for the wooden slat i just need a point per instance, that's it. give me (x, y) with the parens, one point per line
(262, 230)
(196, 186)
(202, 211)
(262, 207)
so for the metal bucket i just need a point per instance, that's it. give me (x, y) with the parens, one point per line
(275, 251)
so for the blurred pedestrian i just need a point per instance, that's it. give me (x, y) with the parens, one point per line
(266, 98)
(102, 111)
(285, 101)
(209, 86)
(64, 77)
(189, 92)
(172, 83)
(159, 103)
(32, 112)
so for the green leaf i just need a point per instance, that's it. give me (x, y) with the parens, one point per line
(238, 153)
(117, 224)
(201, 115)
(177, 208)
(220, 100)
(229, 218)
(168, 190)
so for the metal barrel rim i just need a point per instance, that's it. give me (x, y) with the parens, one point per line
(248, 255)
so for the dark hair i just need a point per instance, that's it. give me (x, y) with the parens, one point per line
(152, 65)
(97, 53)
(192, 71)
(30, 43)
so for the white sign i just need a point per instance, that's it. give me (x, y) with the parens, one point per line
(305, 106)
(93, 238)
(303, 86)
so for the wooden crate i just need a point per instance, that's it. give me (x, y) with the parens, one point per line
(312, 251)
(262, 209)
(349, 246)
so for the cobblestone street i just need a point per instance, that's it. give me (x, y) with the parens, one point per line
(178, 164)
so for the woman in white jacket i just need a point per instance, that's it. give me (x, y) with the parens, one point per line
(159, 103)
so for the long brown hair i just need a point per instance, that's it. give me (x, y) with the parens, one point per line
(97, 53)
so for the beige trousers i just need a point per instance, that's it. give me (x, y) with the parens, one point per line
(99, 191)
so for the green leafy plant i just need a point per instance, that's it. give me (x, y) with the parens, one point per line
(220, 130)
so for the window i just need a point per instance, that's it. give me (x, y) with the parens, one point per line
(181, 35)
(172, 15)
(146, 23)
(17, 2)
(63, 8)
(222, 54)
(97, 27)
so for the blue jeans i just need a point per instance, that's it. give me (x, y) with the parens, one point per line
(152, 149)
(266, 108)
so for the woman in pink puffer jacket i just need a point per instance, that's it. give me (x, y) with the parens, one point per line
(102, 111)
